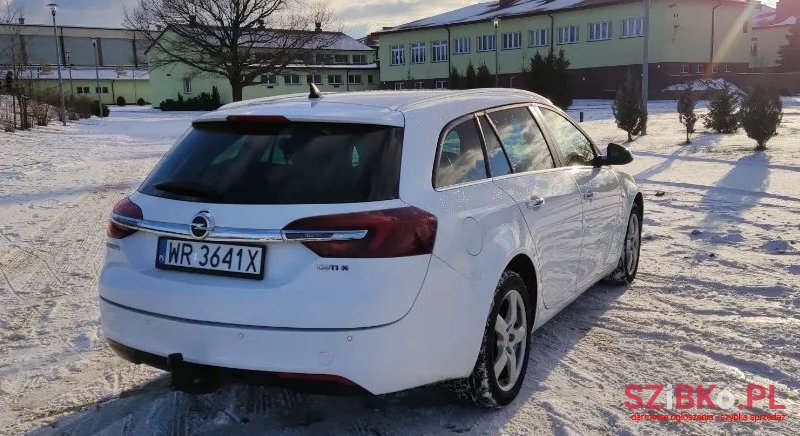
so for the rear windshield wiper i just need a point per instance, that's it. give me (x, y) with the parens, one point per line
(190, 188)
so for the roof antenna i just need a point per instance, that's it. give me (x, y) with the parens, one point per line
(314, 92)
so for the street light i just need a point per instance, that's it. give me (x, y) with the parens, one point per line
(496, 54)
(69, 68)
(97, 77)
(53, 8)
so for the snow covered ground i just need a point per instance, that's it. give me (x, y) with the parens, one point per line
(717, 298)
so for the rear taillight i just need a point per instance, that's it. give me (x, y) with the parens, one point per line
(128, 209)
(399, 232)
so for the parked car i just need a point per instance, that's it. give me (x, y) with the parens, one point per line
(378, 240)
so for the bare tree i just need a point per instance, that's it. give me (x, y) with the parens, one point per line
(13, 55)
(236, 39)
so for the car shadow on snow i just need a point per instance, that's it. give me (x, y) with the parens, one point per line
(238, 409)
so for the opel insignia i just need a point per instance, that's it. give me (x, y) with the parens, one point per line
(378, 240)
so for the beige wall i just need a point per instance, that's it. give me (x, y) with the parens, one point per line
(769, 40)
(680, 32)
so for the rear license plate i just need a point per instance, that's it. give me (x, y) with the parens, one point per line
(232, 260)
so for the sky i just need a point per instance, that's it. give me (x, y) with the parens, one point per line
(356, 18)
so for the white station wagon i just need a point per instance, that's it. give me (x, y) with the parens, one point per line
(377, 241)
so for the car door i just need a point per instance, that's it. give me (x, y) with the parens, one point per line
(547, 196)
(600, 192)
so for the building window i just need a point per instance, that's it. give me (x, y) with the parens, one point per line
(754, 47)
(359, 59)
(370, 79)
(512, 40)
(291, 79)
(85, 89)
(439, 51)
(324, 59)
(728, 69)
(540, 37)
(441, 84)
(341, 59)
(314, 78)
(715, 69)
(568, 35)
(700, 69)
(335, 79)
(745, 27)
(79, 90)
(398, 55)
(461, 45)
(398, 86)
(419, 85)
(354, 79)
(417, 52)
(632, 27)
(269, 79)
(104, 89)
(685, 69)
(600, 31)
(486, 43)
(187, 85)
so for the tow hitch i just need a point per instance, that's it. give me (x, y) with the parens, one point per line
(190, 378)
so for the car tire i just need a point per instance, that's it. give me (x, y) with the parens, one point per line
(508, 330)
(628, 264)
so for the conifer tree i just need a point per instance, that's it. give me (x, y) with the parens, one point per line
(455, 79)
(687, 102)
(762, 112)
(549, 76)
(723, 112)
(628, 108)
(790, 53)
(470, 77)
(483, 78)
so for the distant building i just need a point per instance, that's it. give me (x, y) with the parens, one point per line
(771, 26)
(34, 44)
(603, 39)
(345, 65)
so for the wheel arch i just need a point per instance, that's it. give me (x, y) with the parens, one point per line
(639, 201)
(523, 265)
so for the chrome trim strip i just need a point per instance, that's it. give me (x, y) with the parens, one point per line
(230, 234)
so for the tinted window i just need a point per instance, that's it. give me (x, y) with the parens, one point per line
(498, 164)
(573, 145)
(285, 163)
(461, 157)
(523, 141)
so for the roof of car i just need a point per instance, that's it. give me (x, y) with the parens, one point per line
(380, 107)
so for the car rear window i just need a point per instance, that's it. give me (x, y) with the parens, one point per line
(280, 163)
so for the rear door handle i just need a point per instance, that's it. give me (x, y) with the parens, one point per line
(588, 195)
(535, 202)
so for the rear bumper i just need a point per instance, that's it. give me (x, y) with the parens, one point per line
(437, 340)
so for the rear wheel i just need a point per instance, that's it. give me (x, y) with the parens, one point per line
(628, 264)
(503, 360)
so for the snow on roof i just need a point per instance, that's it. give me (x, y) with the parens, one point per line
(85, 74)
(493, 9)
(705, 85)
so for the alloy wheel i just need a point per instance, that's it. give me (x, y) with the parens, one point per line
(511, 326)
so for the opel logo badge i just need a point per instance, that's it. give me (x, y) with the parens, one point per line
(202, 225)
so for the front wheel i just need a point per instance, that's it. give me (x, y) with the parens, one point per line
(503, 359)
(628, 264)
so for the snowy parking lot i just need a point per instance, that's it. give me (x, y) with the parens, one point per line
(717, 299)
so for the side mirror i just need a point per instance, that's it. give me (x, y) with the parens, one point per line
(615, 155)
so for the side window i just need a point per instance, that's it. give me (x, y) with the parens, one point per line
(498, 163)
(461, 156)
(574, 145)
(524, 142)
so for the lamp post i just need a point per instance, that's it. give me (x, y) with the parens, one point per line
(646, 62)
(97, 77)
(496, 54)
(69, 68)
(53, 8)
